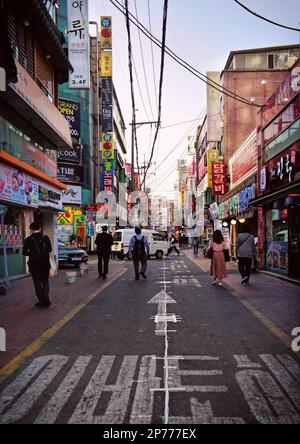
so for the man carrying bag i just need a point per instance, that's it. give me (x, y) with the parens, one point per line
(138, 246)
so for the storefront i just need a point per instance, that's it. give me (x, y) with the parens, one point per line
(29, 195)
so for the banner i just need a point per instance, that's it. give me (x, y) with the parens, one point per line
(71, 112)
(73, 155)
(218, 178)
(106, 33)
(212, 156)
(107, 177)
(106, 91)
(107, 118)
(79, 44)
(106, 63)
(18, 187)
(72, 195)
(107, 146)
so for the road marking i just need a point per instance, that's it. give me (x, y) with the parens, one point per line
(12, 365)
(243, 361)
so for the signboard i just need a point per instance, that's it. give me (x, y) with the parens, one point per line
(66, 217)
(64, 233)
(107, 119)
(79, 44)
(106, 63)
(49, 197)
(106, 33)
(243, 163)
(107, 146)
(80, 227)
(106, 91)
(18, 187)
(107, 177)
(212, 156)
(218, 178)
(71, 112)
(39, 159)
(72, 195)
(73, 155)
(70, 173)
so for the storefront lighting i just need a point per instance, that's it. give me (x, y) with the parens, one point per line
(233, 222)
(242, 221)
(225, 224)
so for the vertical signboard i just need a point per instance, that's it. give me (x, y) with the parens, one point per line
(106, 33)
(107, 146)
(79, 44)
(71, 112)
(212, 156)
(106, 63)
(218, 178)
(107, 177)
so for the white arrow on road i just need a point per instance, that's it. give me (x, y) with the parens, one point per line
(161, 318)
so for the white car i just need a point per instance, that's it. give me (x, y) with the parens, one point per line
(158, 244)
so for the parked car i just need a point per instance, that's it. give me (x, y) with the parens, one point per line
(158, 244)
(71, 255)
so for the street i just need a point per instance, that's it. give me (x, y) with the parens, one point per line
(172, 349)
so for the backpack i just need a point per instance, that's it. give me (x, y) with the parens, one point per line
(139, 247)
(39, 251)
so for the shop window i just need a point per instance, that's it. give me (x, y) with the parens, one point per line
(277, 237)
(44, 74)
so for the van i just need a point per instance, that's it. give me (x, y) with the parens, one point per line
(158, 244)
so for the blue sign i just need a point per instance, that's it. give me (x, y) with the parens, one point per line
(107, 176)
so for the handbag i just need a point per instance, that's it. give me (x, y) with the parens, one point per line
(226, 255)
(53, 266)
(210, 253)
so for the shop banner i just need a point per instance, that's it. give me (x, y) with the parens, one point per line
(72, 195)
(107, 177)
(73, 155)
(18, 187)
(80, 228)
(107, 119)
(106, 63)
(218, 178)
(106, 91)
(106, 33)
(107, 146)
(79, 44)
(212, 156)
(71, 112)
(70, 173)
(49, 197)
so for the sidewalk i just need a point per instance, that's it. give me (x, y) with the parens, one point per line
(276, 299)
(24, 323)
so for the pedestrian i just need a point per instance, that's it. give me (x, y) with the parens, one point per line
(246, 252)
(173, 242)
(104, 242)
(38, 247)
(195, 244)
(139, 248)
(218, 265)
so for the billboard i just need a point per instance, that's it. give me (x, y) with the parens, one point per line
(72, 195)
(73, 155)
(79, 44)
(71, 112)
(70, 173)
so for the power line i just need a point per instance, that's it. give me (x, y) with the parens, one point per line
(164, 31)
(152, 56)
(183, 63)
(177, 124)
(139, 88)
(265, 18)
(143, 63)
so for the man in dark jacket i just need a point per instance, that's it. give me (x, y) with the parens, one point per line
(38, 247)
(104, 242)
(139, 248)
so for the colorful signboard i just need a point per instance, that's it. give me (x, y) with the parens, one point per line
(106, 63)
(107, 146)
(212, 156)
(73, 155)
(107, 177)
(79, 44)
(66, 217)
(72, 195)
(49, 197)
(70, 173)
(80, 227)
(12, 235)
(71, 112)
(218, 178)
(18, 187)
(106, 33)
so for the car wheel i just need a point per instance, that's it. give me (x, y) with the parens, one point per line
(159, 255)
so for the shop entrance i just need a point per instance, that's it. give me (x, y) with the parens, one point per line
(294, 242)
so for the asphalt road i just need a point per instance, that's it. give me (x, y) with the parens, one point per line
(169, 350)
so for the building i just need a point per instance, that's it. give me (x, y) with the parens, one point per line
(32, 129)
(278, 179)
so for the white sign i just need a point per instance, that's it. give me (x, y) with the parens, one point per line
(263, 179)
(72, 195)
(79, 44)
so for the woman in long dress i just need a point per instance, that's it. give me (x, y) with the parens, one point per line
(218, 264)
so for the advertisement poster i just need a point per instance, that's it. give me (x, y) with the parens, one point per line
(18, 187)
(79, 44)
(12, 235)
(64, 233)
(277, 256)
(80, 228)
(71, 112)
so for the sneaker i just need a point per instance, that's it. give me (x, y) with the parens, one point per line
(214, 282)
(43, 304)
(220, 284)
(143, 275)
(245, 279)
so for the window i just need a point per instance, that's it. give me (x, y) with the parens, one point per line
(157, 237)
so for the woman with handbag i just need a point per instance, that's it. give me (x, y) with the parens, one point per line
(216, 253)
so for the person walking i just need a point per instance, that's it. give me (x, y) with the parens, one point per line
(138, 246)
(195, 245)
(104, 242)
(38, 247)
(218, 265)
(173, 242)
(246, 252)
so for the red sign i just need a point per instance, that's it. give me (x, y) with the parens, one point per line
(243, 162)
(218, 178)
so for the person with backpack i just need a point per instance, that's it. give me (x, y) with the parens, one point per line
(38, 247)
(139, 247)
(104, 242)
(246, 252)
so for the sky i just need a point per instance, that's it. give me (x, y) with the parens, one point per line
(202, 33)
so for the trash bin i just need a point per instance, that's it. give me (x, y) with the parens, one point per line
(71, 277)
(84, 269)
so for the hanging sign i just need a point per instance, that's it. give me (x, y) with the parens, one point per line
(106, 63)
(107, 146)
(218, 178)
(106, 91)
(106, 33)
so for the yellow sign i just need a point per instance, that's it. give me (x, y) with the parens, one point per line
(107, 146)
(212, 156)
(67, 217)
(105, 33)
(106, 63)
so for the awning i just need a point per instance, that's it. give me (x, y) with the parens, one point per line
(278, 194)
(17, 163)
